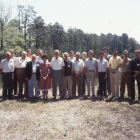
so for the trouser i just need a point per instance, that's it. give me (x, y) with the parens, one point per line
(83, 84)
(57, 77)
(33, 83)
(68, 82)
(125, 79)
(133, 86)
(102, 83)
(75, 80)
(7, 85)
(15, 82)
(22, 80)
(115, 84)
(90, 78)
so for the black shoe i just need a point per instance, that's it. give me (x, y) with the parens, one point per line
(19, 96)
(10, 98)
(62, 97)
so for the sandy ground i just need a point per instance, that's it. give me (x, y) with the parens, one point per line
(77, 119)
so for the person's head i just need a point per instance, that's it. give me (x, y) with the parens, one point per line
(12, 53)
(125, 54)
(65, 56)
(29, 52)
(23, 55)
(90, 54)
(40, 53)
(44, 57)
(8, 55)
(77, 55)
(84, 55)
(56, 53)
(33, 57)
(105, 50)
(137, 53)
(71, 54)
(115, 53)
(101, 54)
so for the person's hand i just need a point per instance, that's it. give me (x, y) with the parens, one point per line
(137, 72)
(26, 78)
(76, 74)
(135, 75)
(105, 77)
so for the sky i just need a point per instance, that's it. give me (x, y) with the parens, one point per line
(91, 16)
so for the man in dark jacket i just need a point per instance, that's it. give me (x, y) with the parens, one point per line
(32, 75)
(135, 74)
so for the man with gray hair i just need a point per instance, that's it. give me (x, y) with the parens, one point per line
(32, 74)
(7, 69)
(78, 66)
(57, 72)
(67, 75)
(21, 65)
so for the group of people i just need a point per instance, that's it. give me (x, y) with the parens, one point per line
(36, 72)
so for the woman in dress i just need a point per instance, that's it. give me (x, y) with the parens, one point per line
(45, 78)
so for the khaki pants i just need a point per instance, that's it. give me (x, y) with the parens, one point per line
(68, 81)
(125, 78)
(115, 84)
(90, 78)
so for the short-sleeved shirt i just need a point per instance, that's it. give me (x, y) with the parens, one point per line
(91, 64)
(57, 64)
(67, 68)
(77, 65)
(7, 66)
(71, 59)
(14, 59)
(21, 63)
(125, 65)
(102, 65)
(114, 61)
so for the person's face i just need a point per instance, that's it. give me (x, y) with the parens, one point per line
(100, 55)
(44, 59)
(29, 52)
(77, 56)
(56, 54)
(65, 57)
(71, 54)
(40, 53)
(90, 55)
(125, 54)
(84, 55)
(105, 51)
(136, 54)
(8, 55)
(23, 55)
(12, 53)
(115, 53)
(33, 58)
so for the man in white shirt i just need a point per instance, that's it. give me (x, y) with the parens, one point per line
(102, 74)
(7, 69)
(57, 72)
(78, 66)
(39, 57)
(20, 65)
(71, 58)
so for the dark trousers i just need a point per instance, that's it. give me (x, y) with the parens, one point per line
(83, 84)
(7, 85)
(102, 83)
(75, 80)
(125, 79)
(133, 86)
(15, 82)
(22, 80)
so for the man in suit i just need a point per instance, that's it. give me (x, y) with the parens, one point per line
(32, 75)
(135, 74)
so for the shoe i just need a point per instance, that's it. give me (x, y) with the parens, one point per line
(54, 98)
(129, 98)
(116, 98)
(103, 97)
(99, 96)
(10, 98)
(93, 95)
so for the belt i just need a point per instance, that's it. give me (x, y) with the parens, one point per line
(20, 68)
(90, 70)
(7, 72)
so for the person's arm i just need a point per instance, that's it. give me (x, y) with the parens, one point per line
(26, 71)
(96, 72)
(106, 73)
(63, 72)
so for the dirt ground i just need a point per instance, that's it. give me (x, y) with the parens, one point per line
(76, 119)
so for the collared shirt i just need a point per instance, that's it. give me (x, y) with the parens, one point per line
(57, 64)
(34, 67)
(71, 60)
(125, 65)
(115, 61)
(21, 63)
(67, 68)
(102, 65)
(77, 65)
(14, 59)
(7, 66)
(107, 57)
(91, 64)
